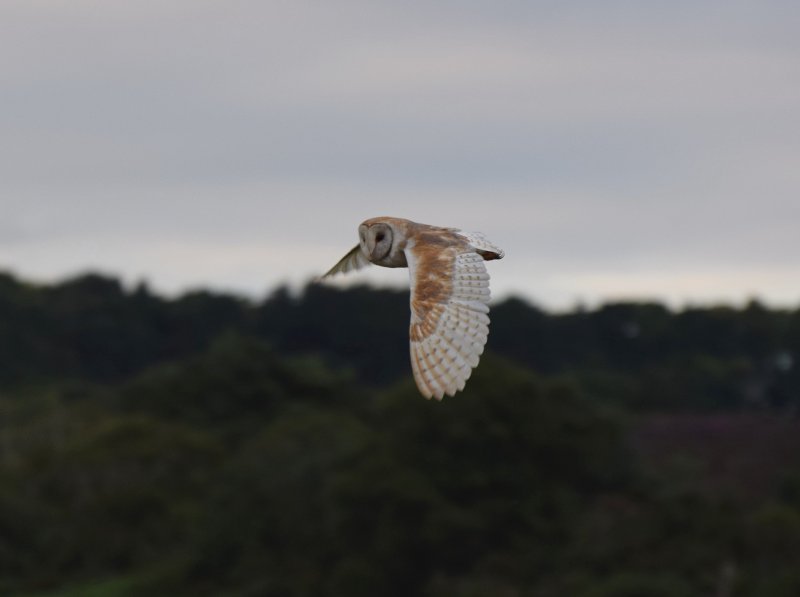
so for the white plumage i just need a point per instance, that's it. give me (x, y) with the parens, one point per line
(449, 294)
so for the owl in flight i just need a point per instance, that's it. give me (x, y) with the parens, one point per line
(449, 294)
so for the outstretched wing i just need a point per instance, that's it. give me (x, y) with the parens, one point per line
(354, 260)
(449, 314)
(482, 245)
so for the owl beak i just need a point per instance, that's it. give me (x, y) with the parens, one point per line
(371, 247)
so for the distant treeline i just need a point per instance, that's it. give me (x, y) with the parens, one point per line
(642, 354)
(207, 445)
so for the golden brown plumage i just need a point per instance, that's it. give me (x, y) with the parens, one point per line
(449, 294)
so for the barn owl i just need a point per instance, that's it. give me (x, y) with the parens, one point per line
(449, 294)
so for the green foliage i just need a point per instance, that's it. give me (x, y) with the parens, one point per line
(402, 490)
(85, 491)
(639, 585)
(118, 587)
(233, 386)
(210, 446)
(704, 359)
(272, 523)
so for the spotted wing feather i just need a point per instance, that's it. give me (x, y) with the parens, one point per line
(449, 315)
(482, 245)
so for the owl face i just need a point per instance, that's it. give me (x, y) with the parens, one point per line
(376, 240)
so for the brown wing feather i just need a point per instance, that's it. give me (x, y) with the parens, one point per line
(449, 322)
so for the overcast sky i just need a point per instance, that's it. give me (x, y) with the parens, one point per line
(613, 149)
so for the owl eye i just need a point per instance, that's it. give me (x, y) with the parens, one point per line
(380, 236)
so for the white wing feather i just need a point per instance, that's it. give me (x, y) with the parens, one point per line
(482, 244)
(442, 360)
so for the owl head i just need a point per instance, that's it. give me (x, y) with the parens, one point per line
(375, 240)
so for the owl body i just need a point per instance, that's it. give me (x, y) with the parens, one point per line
(449, 294)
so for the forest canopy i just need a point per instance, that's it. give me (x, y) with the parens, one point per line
(209, 445)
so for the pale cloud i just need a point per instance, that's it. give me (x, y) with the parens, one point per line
(692, 285)
(239, 144)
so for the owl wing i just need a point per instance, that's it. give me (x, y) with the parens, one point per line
(449, 321)
(482, 245)
(354, 260)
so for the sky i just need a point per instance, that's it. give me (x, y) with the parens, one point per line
(615, 150)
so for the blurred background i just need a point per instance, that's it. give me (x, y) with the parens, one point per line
(183, 413)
